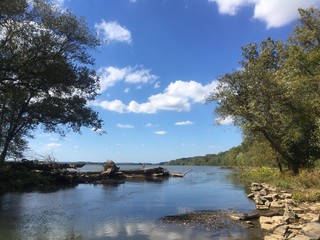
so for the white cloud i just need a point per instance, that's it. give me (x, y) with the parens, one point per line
(119, 125)
(150, 125)
(184, 123)
(160, 132)
(98, 130)
(110, 75)
(112, 31)
(224, 121)
(178, 96)
(114, 106)
(51, 146)
(156, 85)
(275, 13)
(140, 76)
(229, 6)
(126, 90)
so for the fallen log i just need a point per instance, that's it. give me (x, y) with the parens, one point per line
(148, 172)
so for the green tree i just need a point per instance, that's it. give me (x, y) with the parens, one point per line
(276, 95)
(45, 79)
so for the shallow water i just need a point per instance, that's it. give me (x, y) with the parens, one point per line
(126, 211)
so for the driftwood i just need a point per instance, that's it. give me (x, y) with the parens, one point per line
(148, 172)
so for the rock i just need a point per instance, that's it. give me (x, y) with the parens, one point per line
(272, 197)
(291, 221)
(310, 217)
(277, 204)
(262, 207)
(267, 226)
(290, 202)
(300, 237)
(289, 215)
(267, 203)
(281, 230)
(273, 237)
(110, 167)
(314, 207)
(285, 195)
(235, 217)
(312, 230)
(251, 195)
(256, 186)
(278, 220)
(263, 192)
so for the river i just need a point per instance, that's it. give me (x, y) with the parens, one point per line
(125, 211)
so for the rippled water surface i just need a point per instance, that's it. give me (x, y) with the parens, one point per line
(126, 211)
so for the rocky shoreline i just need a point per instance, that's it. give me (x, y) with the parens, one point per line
(278, 216)
(283, 218)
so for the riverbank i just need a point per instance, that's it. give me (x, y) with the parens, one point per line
(289, 219)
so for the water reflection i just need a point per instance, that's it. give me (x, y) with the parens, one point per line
(146, 231)
(121, 211)
(158, 231)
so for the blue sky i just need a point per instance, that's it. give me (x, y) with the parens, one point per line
(158, 61)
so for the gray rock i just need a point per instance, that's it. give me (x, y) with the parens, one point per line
(263, 192)
(281, 230)
(256, 186)
(312, 230)
(300, 237)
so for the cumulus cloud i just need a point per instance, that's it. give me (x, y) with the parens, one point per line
(160, 132)
(113, 32)
(184, 123)
(274, 13)
(224, 121)
(114, 106)
(110, 75)
(178, 96)
(119, 125)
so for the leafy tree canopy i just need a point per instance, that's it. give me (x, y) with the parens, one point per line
(275, 97)
(45, 77)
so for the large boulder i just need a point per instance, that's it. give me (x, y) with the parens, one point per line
(312, 230)
(110, 167)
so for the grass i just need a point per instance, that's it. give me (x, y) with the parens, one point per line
(305, 186)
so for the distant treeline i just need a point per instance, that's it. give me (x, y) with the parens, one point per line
(248, 154)
(220, 159)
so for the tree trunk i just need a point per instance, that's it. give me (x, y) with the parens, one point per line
(289, 160)
(4, 151)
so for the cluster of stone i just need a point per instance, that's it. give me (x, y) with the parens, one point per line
(286, 218)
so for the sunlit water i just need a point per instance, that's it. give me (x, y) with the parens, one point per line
(126, 211)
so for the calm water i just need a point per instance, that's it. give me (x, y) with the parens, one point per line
(127, 211)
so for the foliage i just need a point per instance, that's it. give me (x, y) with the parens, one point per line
(21, 178)
(275, 97)
(44, 75)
